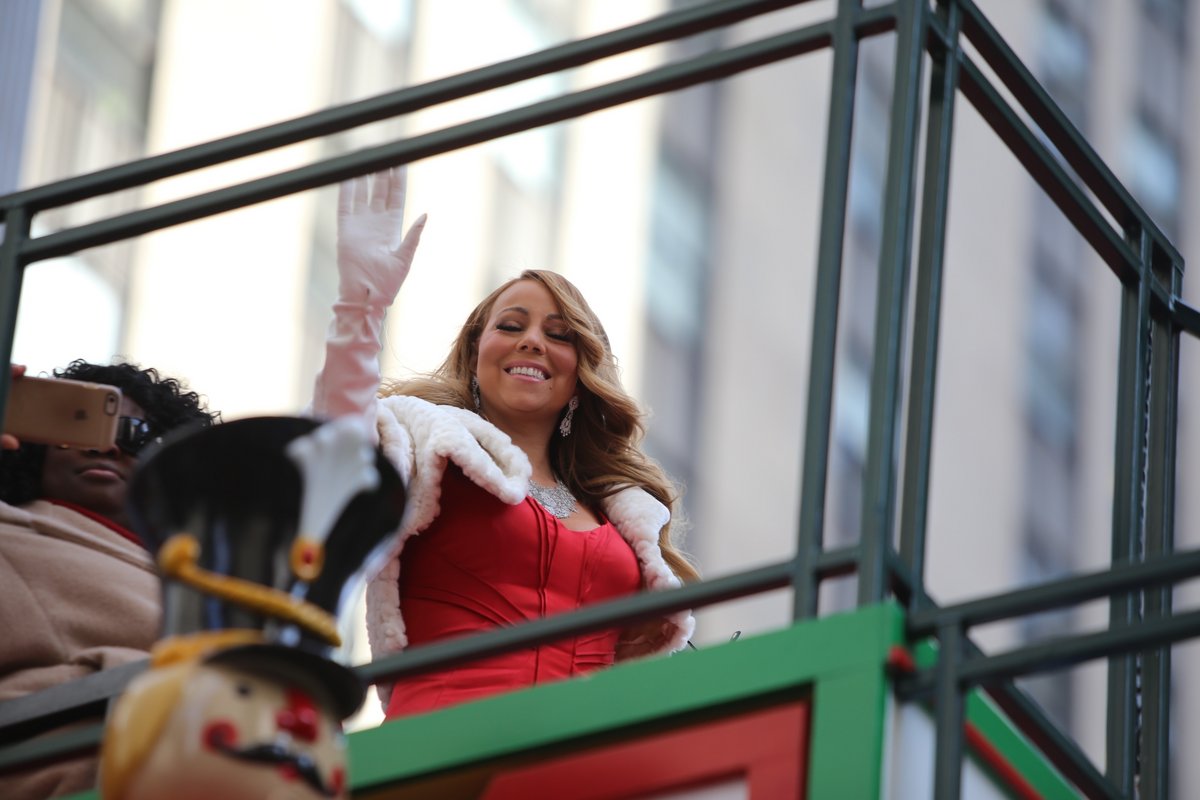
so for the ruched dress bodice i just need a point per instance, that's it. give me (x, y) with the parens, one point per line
(483, 564)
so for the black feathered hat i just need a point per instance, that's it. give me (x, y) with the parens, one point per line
(262, 528)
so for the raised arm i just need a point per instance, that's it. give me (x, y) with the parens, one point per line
(372, 264)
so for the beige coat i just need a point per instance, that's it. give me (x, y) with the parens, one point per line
(75, 597)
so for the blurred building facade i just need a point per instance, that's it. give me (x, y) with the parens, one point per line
(690, 221)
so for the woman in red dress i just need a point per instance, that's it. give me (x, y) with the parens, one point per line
(526, 482)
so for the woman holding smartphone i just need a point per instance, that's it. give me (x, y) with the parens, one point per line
(78, 592)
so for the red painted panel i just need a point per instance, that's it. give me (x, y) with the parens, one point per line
(768, 749)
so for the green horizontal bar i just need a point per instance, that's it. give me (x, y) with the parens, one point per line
(1187, 318)
(1048, 172)
(701, 69)
(18, 714)
(75, 740)
(673, 25)
(78, 695)
(1068, 651)
(599, 617)
(99, 687)
(594, 617)
(1046, 114)
(1157, 571)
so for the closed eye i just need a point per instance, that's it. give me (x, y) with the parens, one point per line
(509, 326)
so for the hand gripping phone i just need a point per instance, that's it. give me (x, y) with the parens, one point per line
(60, 411)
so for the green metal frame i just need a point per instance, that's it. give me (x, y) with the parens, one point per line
(1056, 155)
(1026, 757)
(839, 663)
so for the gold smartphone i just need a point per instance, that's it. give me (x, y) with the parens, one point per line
(60, 411)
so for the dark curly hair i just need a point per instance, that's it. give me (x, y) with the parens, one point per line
(165, 400)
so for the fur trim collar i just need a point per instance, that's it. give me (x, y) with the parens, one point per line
(421, 438)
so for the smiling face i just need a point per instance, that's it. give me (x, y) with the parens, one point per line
(526, 361)
(236, 734)
(95, 480)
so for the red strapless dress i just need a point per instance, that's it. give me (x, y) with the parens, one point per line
(484, 564)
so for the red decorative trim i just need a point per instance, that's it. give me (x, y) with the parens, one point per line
(105, 521)
(999, 764)
(900, 659)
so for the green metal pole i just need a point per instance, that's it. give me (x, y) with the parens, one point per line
(928, 306)
(895, 255)
(1128, 515)
(943, 83)
(819, 409)
(949, 714)
(1160, 541)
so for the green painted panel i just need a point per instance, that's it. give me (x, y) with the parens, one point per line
(846, 758)
(626, 695)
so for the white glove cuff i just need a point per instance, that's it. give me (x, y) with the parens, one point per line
(349, 381)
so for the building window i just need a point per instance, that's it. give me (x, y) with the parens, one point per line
(1051, 383)
(1153, 165)
(675, 273)
(1169, 15)
(676, 306)
(1064, 60)
(387, 20)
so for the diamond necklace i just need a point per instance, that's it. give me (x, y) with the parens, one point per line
(556, 499)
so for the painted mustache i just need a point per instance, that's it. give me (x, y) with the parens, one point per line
(305, 767)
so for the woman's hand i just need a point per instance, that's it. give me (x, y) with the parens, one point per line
(7, 440)
(371, 267)
(370, 270)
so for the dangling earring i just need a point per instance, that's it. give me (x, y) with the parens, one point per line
(564, 427)
(475, 395)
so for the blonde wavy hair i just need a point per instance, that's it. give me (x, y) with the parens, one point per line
(603, 453)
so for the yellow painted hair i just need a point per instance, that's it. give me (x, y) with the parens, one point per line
(135, 723)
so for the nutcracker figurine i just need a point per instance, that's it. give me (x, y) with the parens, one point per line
(262, 528)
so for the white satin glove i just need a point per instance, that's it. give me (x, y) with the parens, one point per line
(371, 267)
(372, 260)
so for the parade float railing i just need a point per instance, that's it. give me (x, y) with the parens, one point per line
(899, 650)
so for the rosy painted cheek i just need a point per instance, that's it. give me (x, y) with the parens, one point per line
(299, 717)
(337, 781)
(220, 735)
